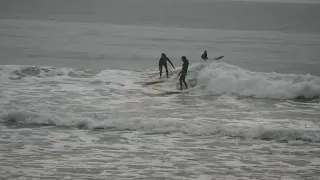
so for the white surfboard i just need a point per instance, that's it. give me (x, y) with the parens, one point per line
(146, 83)
(218, 58)
(153, 82)
(156, 81)
(172, 90)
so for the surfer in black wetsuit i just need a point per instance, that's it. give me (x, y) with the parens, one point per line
(204, 56)
(163, 62)
(183, 72)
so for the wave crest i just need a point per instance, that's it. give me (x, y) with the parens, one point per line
(219, 78)
(164, 126)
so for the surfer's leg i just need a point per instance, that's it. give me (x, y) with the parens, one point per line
(183, 78)
(180, 84)
(185, 83)
(165, 66)
(160, 68)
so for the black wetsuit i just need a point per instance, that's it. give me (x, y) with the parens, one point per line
(204, 56)
(163, 62)
(183, 73)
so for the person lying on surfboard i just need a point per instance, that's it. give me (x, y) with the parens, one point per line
(163, 62)
(204, 56)
(183, 72)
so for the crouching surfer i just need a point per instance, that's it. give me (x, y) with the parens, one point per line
(163, 62)
(183, 72)
(204, 56)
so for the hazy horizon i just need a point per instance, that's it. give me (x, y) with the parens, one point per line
(200, 14)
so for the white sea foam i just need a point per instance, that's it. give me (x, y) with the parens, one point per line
(164, 126)
(216, 78)
(115, 102)
(221, 78)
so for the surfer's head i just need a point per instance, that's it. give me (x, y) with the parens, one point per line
(205, 51)
(163, 55)
(183, 58)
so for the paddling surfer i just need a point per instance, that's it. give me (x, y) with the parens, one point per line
(204, 56)
(183, 72)
(163, 62)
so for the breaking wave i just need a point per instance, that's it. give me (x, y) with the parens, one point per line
(219, 78)
(214, 78)
(23, 119)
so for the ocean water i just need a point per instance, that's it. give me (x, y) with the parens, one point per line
(74, 103)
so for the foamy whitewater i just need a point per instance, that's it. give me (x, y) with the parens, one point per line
(84, 123)
(75, 102)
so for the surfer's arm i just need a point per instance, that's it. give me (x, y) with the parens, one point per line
(171, 63)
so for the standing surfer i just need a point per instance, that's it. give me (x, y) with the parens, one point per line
(183, 72)
(204, 56)
(163, 62)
